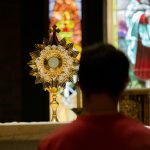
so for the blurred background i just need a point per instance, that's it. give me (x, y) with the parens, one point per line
(23, 23)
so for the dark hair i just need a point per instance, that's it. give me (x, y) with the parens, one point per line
(103, 68)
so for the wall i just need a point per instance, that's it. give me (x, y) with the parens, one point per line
(23, 23)
(34, 27)
(10, 52)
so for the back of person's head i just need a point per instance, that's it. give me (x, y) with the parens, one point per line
(103, 68)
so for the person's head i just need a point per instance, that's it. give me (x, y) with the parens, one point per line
(103, 68)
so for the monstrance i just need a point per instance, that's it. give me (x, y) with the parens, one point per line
(53, 64)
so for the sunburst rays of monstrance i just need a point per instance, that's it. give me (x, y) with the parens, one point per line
(53, 64)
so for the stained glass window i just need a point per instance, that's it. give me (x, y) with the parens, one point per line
(131, 33)
(66, 14)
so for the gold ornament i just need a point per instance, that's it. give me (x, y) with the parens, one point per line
(53, 64)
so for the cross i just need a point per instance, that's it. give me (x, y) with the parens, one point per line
(53, 37)
(54, 29)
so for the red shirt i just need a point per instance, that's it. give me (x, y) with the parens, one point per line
(106, 132)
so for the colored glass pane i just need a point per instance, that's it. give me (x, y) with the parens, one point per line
(131, 30)
(66, 14)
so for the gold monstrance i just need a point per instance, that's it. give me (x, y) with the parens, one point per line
(53, 64)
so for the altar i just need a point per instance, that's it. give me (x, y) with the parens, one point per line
(26, 136)
(23, 135)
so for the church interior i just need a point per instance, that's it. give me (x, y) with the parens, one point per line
(25, 110)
